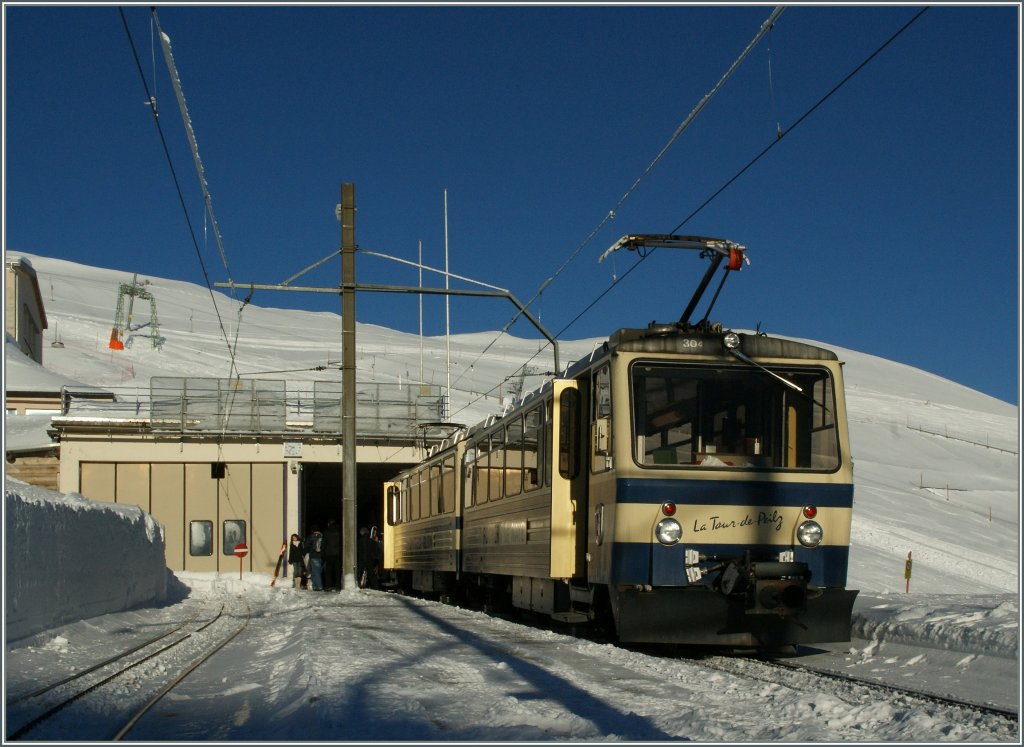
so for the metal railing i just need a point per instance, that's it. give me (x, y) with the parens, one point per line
(263, 406)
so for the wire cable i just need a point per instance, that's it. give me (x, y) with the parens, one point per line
(736, 176)
(766, 26)
(177, 185)
(750, 163)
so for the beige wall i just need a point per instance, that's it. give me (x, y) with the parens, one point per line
(173, 481)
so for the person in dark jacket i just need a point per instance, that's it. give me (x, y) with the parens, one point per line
(332, 555)
(368, 553)
(296, 562)
(315, 550)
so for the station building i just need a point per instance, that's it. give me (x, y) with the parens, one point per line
(221, 462)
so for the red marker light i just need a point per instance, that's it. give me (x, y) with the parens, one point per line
(668, 508)
(810, 511)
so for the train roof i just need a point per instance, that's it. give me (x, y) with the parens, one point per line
(675, 338)
(669, 338)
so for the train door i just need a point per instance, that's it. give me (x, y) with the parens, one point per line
(600, 475)
(568, 481)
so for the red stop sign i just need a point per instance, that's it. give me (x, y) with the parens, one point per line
(241, 550)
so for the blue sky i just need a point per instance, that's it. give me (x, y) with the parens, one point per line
(887, 221)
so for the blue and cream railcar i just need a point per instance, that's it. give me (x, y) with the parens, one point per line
(421, 536)
(691, 484)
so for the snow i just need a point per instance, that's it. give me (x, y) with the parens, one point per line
(936, 474)
(53, 569)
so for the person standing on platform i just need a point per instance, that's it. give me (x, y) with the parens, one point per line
(297, 563)
(367, 558)
(332, 555)
(315, 551)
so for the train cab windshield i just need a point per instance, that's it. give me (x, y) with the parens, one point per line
(730, 417)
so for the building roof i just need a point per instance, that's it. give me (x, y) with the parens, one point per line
(23, 375)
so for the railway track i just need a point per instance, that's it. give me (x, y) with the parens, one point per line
(126, 685)
(849, 688)
(1006, 713)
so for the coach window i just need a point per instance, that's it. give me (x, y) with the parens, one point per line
(394, 505)
(436, 490)
(531, 448)
(481, 469)
(424, 478)
(448, 485)
(568, 434)
(496, 473)
(414, 496)
(601, 421)
(469, 469)
(546, 455)
(514, 457)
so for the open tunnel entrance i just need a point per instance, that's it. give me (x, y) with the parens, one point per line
(320, 495)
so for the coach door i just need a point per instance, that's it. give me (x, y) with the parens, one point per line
(568, 481)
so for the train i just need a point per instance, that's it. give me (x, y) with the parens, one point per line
(683, 484)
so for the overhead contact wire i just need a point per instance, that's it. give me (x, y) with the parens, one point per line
(764, 29)
(177, 185)
(749, 164)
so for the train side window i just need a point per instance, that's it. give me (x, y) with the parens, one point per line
(436, 492)
(531, 448)
(547, 458)
(424, 477)
(496, 473)
(514, 457)
(568, 434)
(601, 421)
(468, 474)
(481, 469)
(393, 505)
(448, 485)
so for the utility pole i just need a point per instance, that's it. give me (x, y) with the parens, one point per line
(348, 385)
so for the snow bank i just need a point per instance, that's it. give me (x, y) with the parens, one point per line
(69, 558)
(982, 624)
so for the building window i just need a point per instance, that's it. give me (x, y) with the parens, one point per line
(200, 538)
(234, 534)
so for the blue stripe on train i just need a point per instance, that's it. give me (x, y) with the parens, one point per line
(652, 563)
(733, 492)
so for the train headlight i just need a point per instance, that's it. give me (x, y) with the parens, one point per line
(668, 531)
(731, 340)
(809, 533)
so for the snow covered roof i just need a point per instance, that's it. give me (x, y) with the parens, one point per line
(22, 374)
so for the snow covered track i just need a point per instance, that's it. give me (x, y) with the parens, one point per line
(1010, 715)
(58, 716)
(883, 699)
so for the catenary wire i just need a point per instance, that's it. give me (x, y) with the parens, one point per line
(766, 26)
(732, 179)
(177, 185)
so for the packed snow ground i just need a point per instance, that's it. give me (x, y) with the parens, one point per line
(368, 665)
(937, 473)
